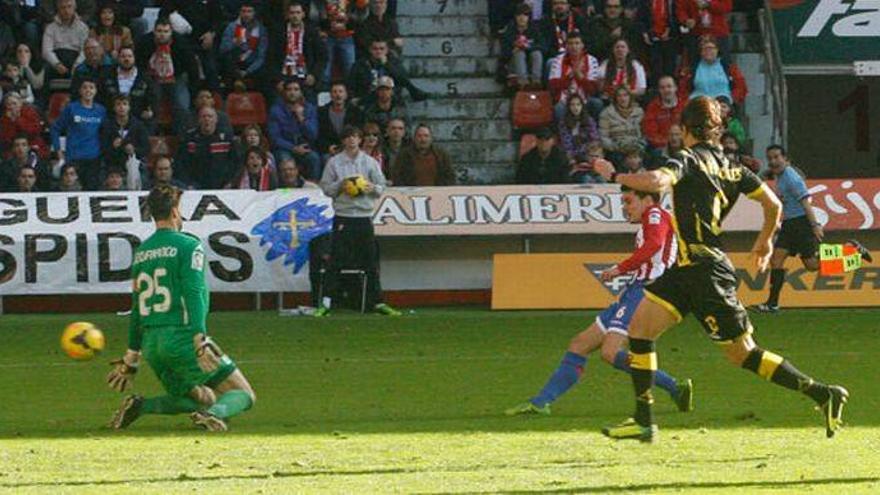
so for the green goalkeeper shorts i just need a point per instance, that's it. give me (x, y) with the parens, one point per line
(172, 355)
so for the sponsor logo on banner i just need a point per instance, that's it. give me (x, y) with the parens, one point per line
(290, 229)
(558, 281)
(848, 19)
(616, 285)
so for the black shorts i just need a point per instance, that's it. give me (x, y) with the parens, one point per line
(796, 236)
(707, 288)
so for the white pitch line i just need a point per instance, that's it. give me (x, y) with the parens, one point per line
(410, 359)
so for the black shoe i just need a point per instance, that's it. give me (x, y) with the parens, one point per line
(863, 251)
(128, 412)
(418, 95)
(832, 409)
(685, 398)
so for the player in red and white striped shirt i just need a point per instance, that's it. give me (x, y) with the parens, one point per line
(655, 252)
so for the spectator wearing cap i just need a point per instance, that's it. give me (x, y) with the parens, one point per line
(111, 32)
(422, 163)
(379, 25)
(711, 76)
(701, 18)
(575, 72)
(166, 58)
(522, 48)
(243, 48)
(546, 163)
(63, 41)
(662, 112)
(208, 157)
(367, 71)
(384, 106)
(296, 51)
(205, 21)
(80, 122)
(611, 25)
(732, 124)
(333, 117)
(125, 79)
(560, 26)
(293, 130)
(657, 22)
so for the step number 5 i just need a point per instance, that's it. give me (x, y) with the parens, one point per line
(153, 287)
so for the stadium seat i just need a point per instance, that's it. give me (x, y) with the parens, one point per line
(164, 116)
(532, 109)
(246, 109)
(526, 143)
(57, 102)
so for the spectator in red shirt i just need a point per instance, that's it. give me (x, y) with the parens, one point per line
(20, 119)
(659, 26)
(339, 18)
(661, 113)
(705, 17)
(575, 72)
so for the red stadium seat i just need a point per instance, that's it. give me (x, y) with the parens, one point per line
(57, 102)
(246, 108)
(532, 109)
(164, 115)
(526, 143)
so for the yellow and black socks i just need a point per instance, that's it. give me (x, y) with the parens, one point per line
(643, 364)
(780, 371)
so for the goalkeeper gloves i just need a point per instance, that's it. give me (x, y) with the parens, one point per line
(121, 376)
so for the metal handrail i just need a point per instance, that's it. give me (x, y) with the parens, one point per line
(775, 74)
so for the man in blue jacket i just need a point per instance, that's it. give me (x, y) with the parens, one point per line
(293, 130)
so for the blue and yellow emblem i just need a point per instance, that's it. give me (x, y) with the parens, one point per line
(290, 229)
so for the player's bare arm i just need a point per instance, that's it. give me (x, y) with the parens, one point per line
(763, 247)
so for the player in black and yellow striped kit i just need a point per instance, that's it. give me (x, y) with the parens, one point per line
(704, 187)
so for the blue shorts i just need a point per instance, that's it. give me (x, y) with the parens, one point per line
(616, 318)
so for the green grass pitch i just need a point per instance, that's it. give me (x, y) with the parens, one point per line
(366, 404)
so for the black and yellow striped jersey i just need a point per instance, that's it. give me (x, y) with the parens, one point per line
(706, 185)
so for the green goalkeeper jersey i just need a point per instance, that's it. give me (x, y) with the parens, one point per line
(169, 290)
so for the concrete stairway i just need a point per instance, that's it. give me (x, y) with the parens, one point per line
(757, 116)
(448, 52)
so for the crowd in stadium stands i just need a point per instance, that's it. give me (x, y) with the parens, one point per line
(224, 93)
(619, 73)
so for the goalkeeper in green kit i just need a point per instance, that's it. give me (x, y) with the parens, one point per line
(169, 308)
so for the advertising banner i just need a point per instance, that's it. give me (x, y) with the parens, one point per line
(571, 281)
(83, 243)
(58, 243)
(826, 32)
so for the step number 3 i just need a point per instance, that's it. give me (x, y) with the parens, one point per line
(153, 287)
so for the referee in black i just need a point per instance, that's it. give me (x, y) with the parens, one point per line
(800, 234)
(705, 186)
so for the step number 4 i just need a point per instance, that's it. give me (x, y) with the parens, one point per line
(147, 287)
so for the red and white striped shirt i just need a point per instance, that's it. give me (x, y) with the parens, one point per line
(655, 246)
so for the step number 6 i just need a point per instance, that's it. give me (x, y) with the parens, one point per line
(153, 287)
